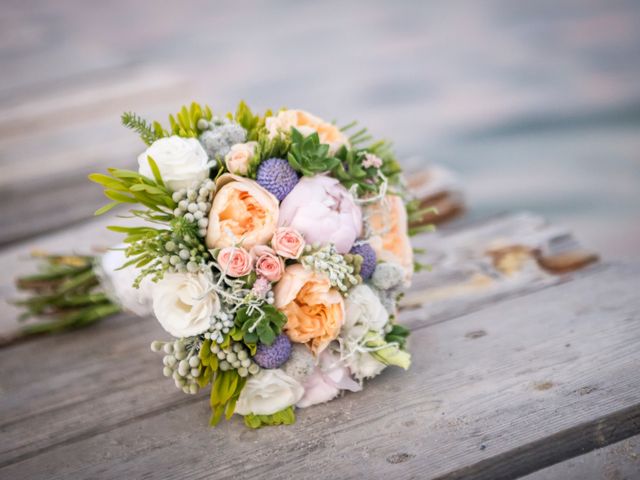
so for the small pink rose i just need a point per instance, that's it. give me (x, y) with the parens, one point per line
(288, 242)
(235, 261)
(268, 264)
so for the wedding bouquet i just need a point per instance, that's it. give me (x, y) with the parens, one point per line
(274, 248)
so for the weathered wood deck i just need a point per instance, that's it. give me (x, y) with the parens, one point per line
(525, 352)
(515, 368)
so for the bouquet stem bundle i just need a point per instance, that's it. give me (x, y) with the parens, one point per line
(65, 294)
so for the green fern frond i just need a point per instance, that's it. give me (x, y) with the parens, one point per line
(149, 132)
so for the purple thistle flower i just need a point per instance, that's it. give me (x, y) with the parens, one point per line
(368, 259)
(277, 176)
(274, 355)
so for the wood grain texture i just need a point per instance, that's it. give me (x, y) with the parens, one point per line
(485, 387)
(620, 461)
(51, 142)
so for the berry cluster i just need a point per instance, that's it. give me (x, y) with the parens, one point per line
(235, 357)
(342, 270)
(220, 327)
(194, 204)
(180, 362)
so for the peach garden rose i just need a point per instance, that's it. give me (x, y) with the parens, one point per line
(239, 157)
(390, 233)
(242, 213)
(306, 123)
(314, 309)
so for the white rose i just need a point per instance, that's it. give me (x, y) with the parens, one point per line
(184, 303)
(118, 283)
(268, 392)
(239, 157)
(182, 161)
(363, 365)
(364, 312)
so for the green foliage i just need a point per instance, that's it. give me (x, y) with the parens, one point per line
(149, 132)
(386, 352)
(253, 124)
(210, 363)
(277, 147)
(261, 325)
(185, 122)
(283, 417)
(360, 142)
(67, 292)
(416, 212)
(350, 172)
(149, 245)
(126, 186)
(398, 334)
(225, 391)
(308, 156)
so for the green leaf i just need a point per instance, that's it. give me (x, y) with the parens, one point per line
(107, 181)
(266, 334)
(156, 171)
(106, 208)
(266, 329)
(283, 417)
(119, 197)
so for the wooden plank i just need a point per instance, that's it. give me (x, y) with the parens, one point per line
(620, 461)
(488, 261)
(484, 388)
(52, 141)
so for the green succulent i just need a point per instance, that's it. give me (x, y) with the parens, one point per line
(308, 156)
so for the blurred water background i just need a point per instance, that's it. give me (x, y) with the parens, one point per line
(535, 104)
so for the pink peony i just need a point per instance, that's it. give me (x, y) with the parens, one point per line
(288, 242)
(268, 264)
(325, 383)
(323, 211)
(235, 261)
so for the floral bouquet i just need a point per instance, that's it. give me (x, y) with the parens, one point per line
(275, 248)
